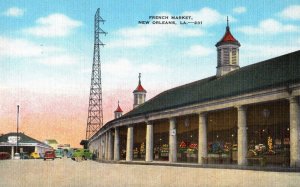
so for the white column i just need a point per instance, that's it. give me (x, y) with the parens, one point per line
(149, 142)
(202, 138)
(230, 56)
(99, 149)
(117, 145)
(12, 152)
(110, 144)
(237, 57)
(294, 132)
(129, 147)
(222, 57)
(106, 146)
(103, 147)
(172, 141)
(242, 135)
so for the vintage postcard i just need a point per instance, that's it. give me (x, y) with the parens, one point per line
(149, 93)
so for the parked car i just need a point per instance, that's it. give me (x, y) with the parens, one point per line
(70, 152)
(24, 155)
(59, 153)
(49, 155)
(4, 155)
(82, 154)
(17, 156)
(34, 155)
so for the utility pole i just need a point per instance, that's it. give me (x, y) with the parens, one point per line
(95, 111)
(18, 111)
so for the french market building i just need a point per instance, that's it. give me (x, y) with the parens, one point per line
(239, 116)
(8, 143)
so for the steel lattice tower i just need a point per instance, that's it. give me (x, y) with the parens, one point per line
(95, 111)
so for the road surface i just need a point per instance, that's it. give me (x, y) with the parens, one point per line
(65, 172)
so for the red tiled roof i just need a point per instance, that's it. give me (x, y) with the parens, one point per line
(139, 89)
(119, 109)
(228, 38)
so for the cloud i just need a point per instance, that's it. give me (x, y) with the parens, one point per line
(54, 25)
(239, 10)
(131, 42)
(159, 31)
(20, 48)
(38, 53)
(147, 35)
(269, 26)
(122, 66)
(291, 12)
(258, 52)
(58, 60)
(122, 73)
(209, 16)
(198, 51)
(14, 12)
(125, 66)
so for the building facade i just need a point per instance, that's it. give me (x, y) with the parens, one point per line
(9, 144)
(52, 143)
(247, 115)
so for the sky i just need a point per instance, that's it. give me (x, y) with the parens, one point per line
(46, 53)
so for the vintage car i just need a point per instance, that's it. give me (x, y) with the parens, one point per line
(82, 154)
(34, 155)
(70, 152)
(4, 155)
(59, 153)
(49, 155)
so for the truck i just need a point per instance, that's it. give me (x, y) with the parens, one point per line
(59, 153)
(81, 154)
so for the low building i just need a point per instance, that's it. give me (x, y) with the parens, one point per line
(241, 115)
(65, 147)
(51, 142)
(8, 143)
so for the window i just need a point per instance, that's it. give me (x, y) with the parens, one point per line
(140, 98)
(135, 99)
(234, 56)
(219, 57)
(226, 56)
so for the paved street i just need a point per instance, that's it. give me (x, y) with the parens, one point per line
(65, 172)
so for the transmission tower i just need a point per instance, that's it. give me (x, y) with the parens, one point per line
(95, 112)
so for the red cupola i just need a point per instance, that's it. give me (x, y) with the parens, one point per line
(228, 38)
(118, 112)
(118, 109)
(139, 94)
(139, 88)
(228, 53)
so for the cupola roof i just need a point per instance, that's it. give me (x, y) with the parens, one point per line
(119, 108)
(139, 88)
(228, 38)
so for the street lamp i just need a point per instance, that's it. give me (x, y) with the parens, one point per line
(18, 109)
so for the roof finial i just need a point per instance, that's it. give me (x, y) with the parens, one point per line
(227, 22)
(118, 103)
(227, 27)
(139, 78)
